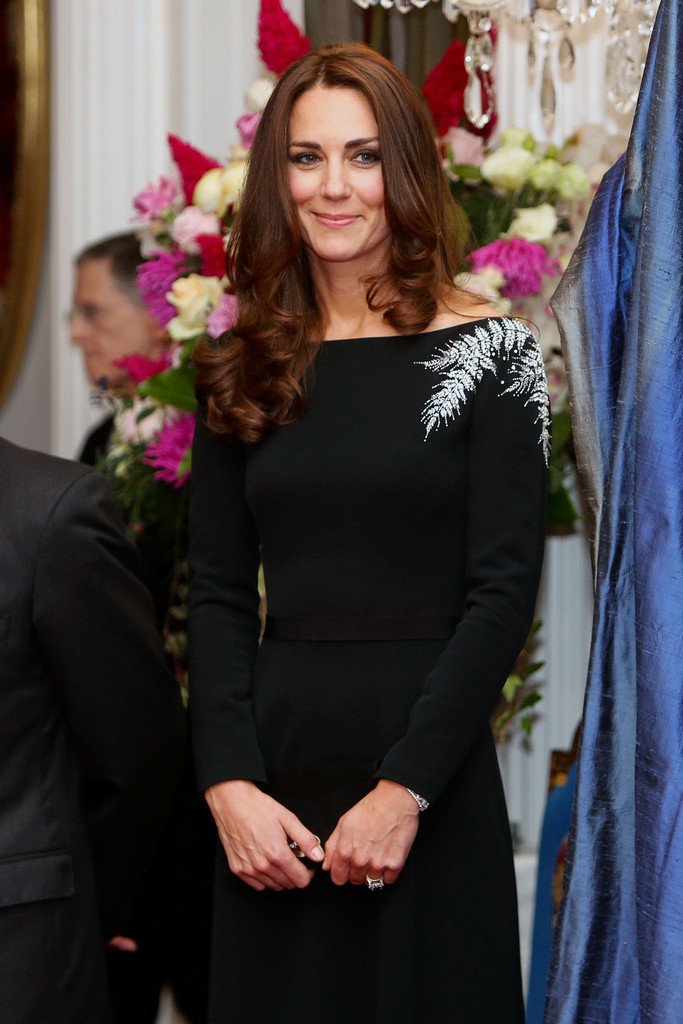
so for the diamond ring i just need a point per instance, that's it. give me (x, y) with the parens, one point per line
(374, 884)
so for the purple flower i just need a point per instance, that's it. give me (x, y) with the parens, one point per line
(155, 199)
(169, 454)
(223, 317)
(246, 125)
(155, 277)
(521, 263)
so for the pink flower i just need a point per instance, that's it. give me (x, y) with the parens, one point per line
(466, 147)
(140, 368)
(191, 223)
(168, 455)
(155, 199)
(521, 263)
(246, 125)
(223, 317)
(154, 278)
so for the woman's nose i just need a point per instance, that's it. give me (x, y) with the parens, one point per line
(335, 183)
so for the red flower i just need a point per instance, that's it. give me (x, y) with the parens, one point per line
(444, 88)
(280, 42)
(191, 162)
(213, 255)
(140, 368)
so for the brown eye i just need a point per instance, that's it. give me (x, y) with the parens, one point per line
(367, 157)
(303, 159)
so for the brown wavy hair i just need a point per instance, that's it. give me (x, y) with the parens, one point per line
(254, 380)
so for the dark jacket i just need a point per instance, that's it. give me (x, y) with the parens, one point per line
(91, 736)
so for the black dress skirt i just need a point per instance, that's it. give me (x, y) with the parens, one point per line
(400, 524)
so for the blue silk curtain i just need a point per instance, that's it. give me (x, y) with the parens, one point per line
(618, 952)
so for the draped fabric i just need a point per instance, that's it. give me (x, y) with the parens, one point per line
(618, 952)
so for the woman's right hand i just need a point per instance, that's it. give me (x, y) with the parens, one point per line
(255, 831)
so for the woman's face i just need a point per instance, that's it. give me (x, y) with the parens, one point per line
(335, 177)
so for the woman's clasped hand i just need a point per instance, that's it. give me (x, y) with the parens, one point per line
(371, 842)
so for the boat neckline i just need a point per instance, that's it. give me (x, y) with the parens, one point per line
(420, 334)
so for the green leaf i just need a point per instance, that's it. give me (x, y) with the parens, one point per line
(561, 511)
(512, 684)
(562, 429)
(468, 172)
(527, 724)
(172, 387)
(502, 720)
(533, 667)
(185, 464)
(530, 700)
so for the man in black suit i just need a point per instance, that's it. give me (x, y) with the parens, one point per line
(91, 737)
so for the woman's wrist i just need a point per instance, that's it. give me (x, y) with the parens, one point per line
(398, 793)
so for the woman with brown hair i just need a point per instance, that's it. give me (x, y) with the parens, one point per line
(379, 440)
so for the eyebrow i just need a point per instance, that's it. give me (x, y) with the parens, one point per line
(352, 144)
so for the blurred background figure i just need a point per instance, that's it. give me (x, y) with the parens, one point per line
(108, 320)
(171, 918)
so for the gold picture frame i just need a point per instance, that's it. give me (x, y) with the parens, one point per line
(29, 33)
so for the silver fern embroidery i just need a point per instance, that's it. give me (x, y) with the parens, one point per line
(463, 362)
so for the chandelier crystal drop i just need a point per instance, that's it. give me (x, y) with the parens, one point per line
(551, 50)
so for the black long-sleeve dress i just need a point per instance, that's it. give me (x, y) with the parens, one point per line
(400, 524)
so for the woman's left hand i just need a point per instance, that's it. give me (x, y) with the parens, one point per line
(374, 837)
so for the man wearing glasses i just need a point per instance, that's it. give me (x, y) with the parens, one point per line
(108, 321)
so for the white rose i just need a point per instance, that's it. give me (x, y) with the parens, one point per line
(572, 182)
(508, 167)
(208, 194)
(518, 138)
(534, 223)
(545, 174)
(194, 297)
(234, 176)
(258, 94)
(220, 187)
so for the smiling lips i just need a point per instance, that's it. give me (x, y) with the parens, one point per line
(332, 220)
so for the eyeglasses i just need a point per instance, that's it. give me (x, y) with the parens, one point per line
(89, 312)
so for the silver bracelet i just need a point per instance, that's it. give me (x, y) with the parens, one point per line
(419, 800)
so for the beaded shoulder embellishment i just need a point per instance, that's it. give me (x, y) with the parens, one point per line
(461, 364)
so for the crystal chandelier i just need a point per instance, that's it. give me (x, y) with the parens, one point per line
(550, 46)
